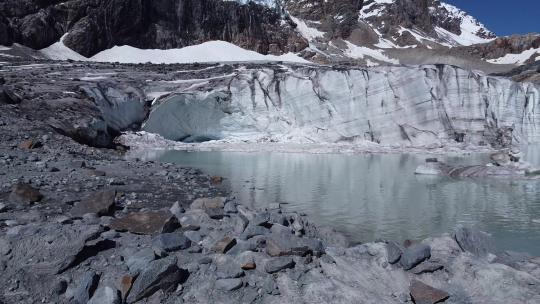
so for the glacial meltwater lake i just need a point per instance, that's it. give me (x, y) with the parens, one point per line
(378, 196)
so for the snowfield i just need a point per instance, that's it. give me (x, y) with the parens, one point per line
(211, 51)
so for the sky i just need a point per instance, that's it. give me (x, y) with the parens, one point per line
(504, 17)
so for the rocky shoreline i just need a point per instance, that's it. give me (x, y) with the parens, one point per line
(80, 224)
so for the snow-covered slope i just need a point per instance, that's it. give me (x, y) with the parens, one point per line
(404, 106)
(211, 51)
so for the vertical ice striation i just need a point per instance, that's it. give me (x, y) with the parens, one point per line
(414, 106)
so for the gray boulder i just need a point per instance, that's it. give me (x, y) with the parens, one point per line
(100, 203)
(277, 264)
(415, 255)
(138, 261)
(87, 286)
(393, 252)
(474, 241)
(172, 242)
(161, 274)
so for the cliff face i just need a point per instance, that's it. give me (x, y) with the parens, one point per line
(418, 106)
(95, 25)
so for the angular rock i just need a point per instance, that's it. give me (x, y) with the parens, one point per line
(240, 223)
(229, 271)
(126, 283)
(393, 252)
(285, 244)
(194, 236)
(151, 222)
(138, 261)
(229, 284)
(277, 264)
(208, 203)
(177, 210)
(230, 207)
(161, 274)
(172, 242)
(100, 203)
(427, 267)
(415, 255)
(474, 241)
(24, 193)
(106, 295)
(87, 286)
(247, 262)
(224, 245)
(252, 230)
(425, 294)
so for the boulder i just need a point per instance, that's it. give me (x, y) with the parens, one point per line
(415, 255)
(252, 230)
(208, 203)
(224, 245)
(172, 241)
(393, 252)
(137, 261)
(177, 210)
(229, 270)
(288, 244)
(229, 284)
(151, 222)
(24, 193)
(100, 203)
(425, 294)
(277, 264)
(85, 289)
(106, 295)
(161, 274)
(474, 241)
(125, 285)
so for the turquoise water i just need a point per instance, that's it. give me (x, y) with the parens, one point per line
(370, 197)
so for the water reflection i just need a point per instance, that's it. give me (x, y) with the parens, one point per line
(370, 197)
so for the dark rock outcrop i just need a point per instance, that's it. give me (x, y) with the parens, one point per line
(95, 25)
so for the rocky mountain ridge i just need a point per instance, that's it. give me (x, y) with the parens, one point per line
(370, 32)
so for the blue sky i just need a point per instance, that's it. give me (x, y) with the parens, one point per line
(502, 16)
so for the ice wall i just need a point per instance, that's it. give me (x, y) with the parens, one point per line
(401, 105)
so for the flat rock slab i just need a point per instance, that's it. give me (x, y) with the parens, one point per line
(161, 274)
(277, 264)
(26, 194)
(101, 203)
(152, 222)
(474, 241)
(224, 245)
(229, 284)
(59, 246)
(427, 267)
(425, 294)
(415, 255)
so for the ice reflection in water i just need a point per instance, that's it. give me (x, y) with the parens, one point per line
(371, 197)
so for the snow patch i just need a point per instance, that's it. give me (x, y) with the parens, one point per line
(211, 51)
(307, 32)
(360, 52)
(517, 58)
(4, 48)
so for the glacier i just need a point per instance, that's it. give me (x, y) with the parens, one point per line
(414, 106)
